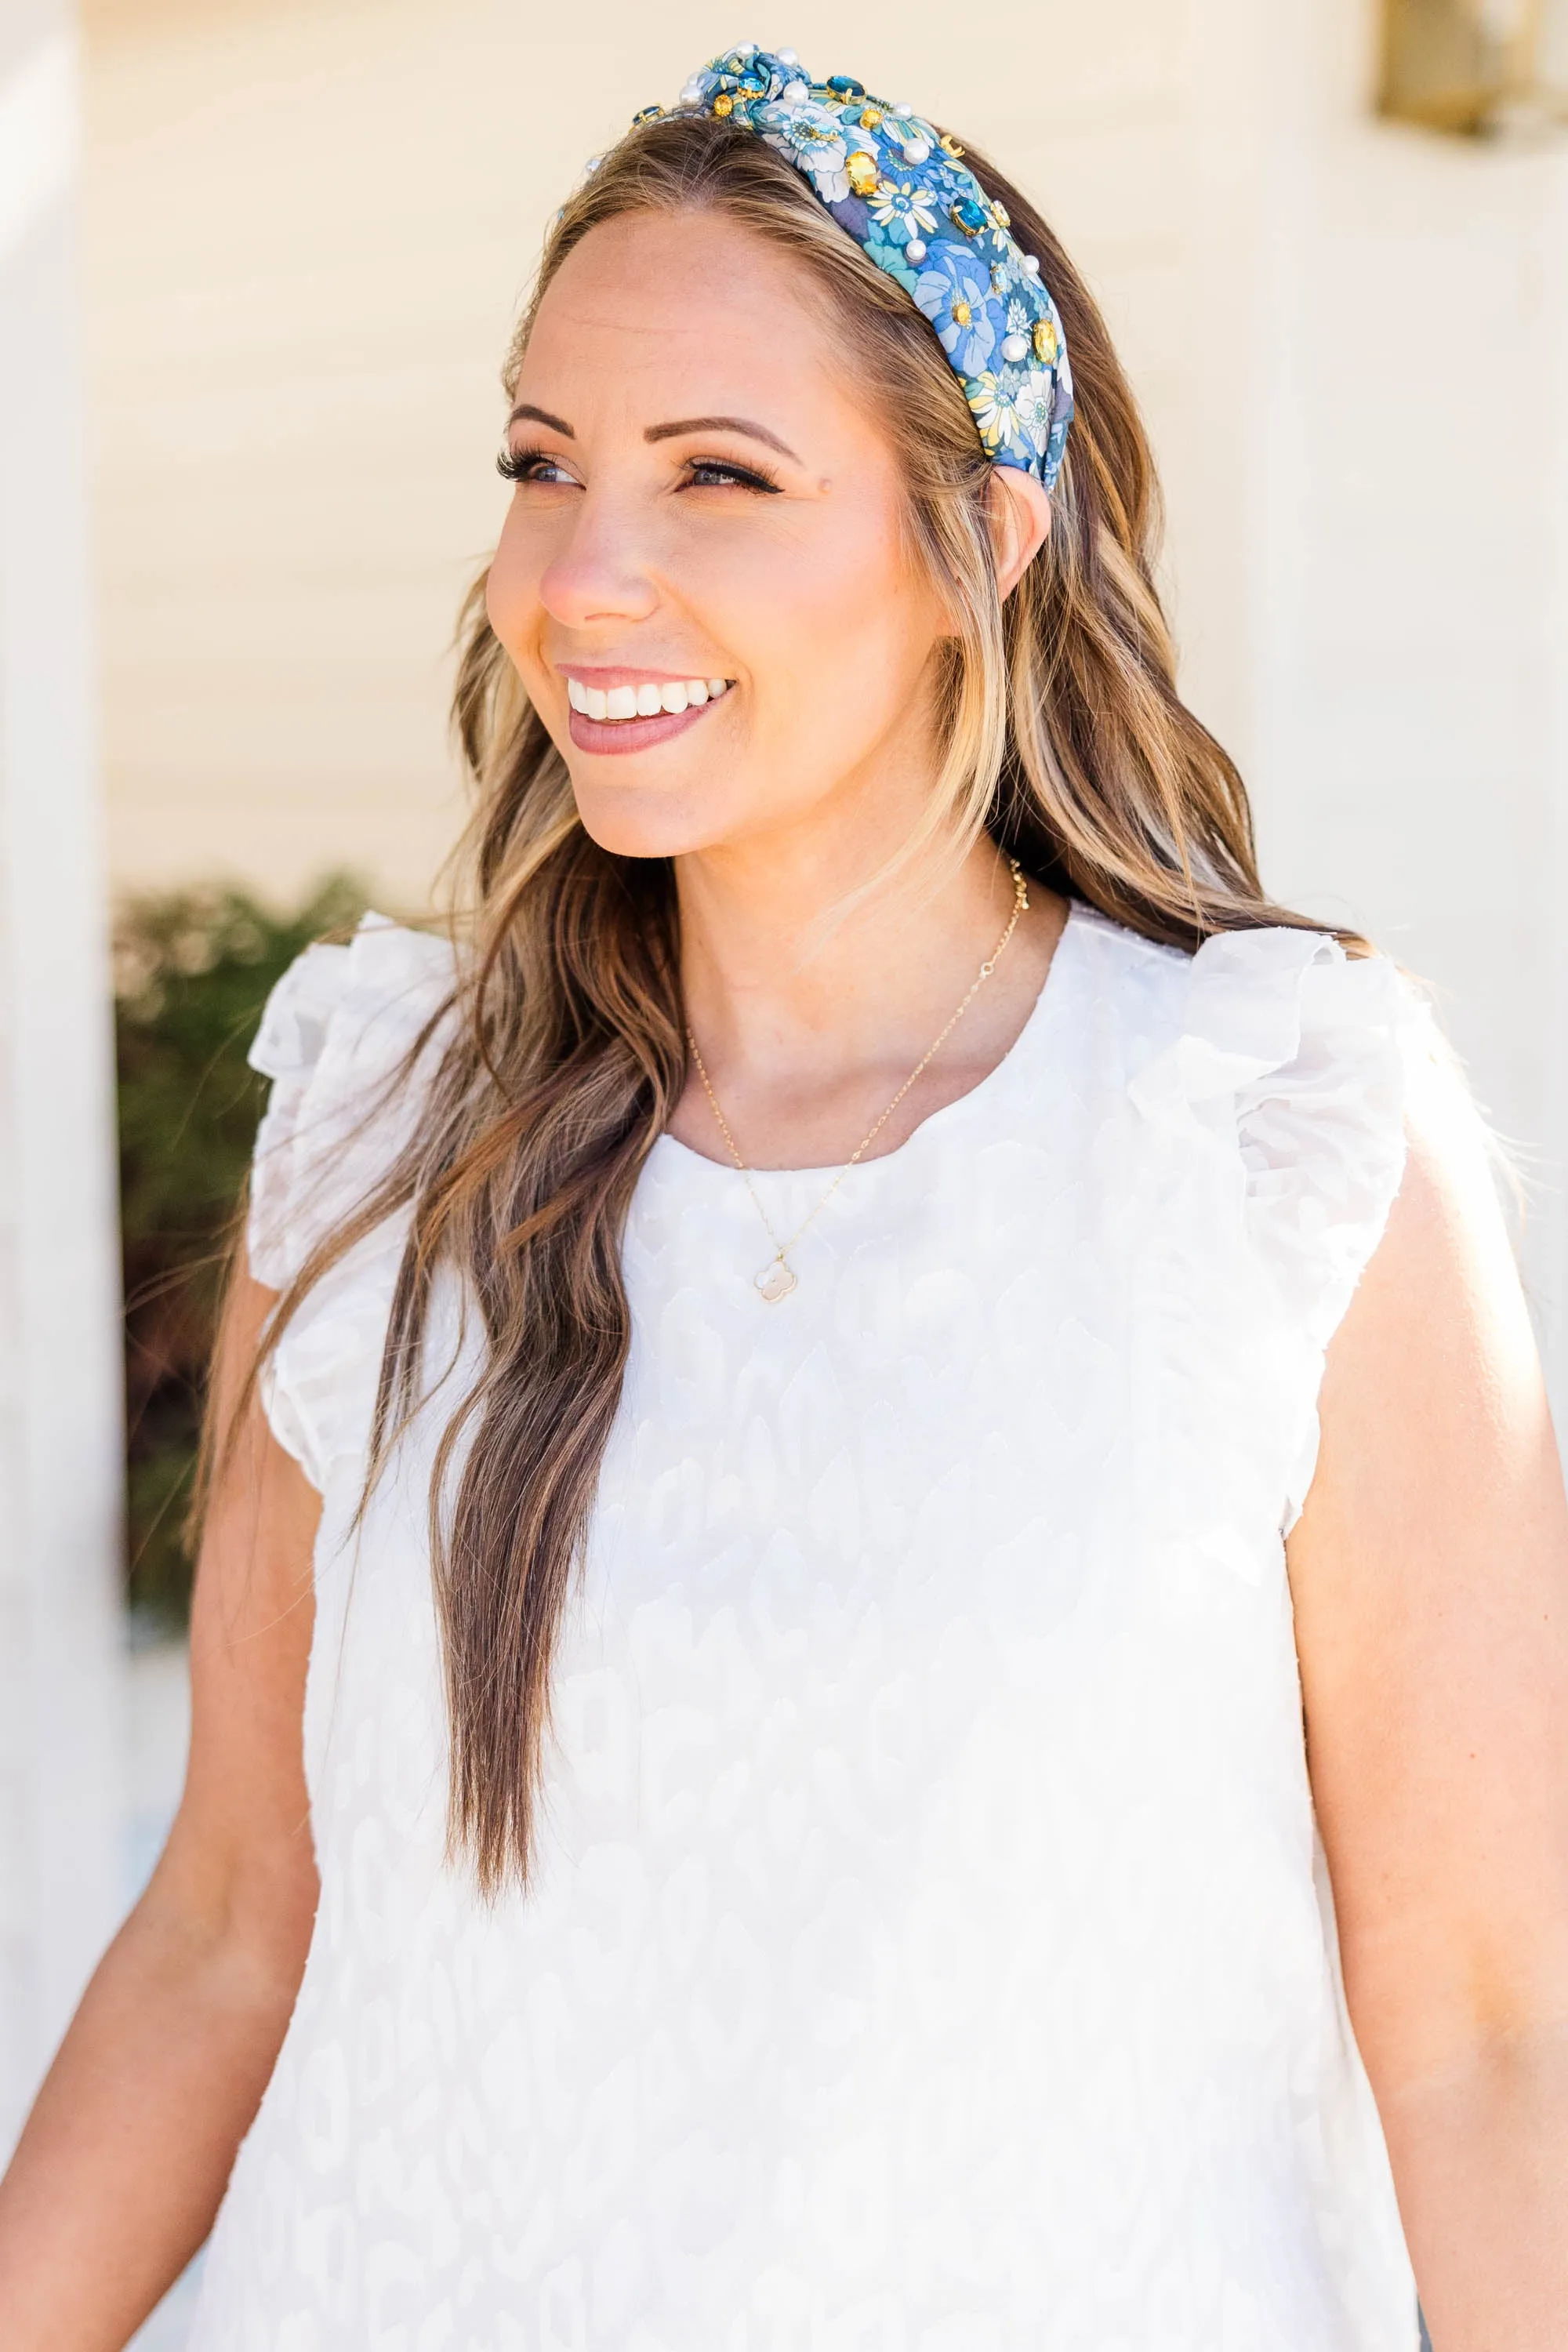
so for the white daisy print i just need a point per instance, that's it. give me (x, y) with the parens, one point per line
(996, 414)
(1032, 403)
(904, 208)
(814, 140)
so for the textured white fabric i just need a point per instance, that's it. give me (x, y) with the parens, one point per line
(929, 1950)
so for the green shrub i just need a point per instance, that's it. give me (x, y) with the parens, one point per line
(191, 973)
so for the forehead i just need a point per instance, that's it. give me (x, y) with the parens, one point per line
(686, 308)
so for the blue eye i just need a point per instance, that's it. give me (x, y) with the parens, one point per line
(530, 466)
(716, 473)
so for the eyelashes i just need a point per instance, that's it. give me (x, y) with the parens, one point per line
(751, 478)
(522, 464)
(701, 473)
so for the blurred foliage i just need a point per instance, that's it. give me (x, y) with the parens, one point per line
(192, 970)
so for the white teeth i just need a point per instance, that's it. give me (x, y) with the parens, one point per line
(643, 701)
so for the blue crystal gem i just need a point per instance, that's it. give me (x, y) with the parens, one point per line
(968, 216)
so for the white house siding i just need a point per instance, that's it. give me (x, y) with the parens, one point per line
(1410, 485)
(59, 1420)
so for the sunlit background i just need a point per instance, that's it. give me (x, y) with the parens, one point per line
(258, 261)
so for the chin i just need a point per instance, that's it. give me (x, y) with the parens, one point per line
(630, 821)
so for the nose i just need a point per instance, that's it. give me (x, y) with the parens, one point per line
(599, 570)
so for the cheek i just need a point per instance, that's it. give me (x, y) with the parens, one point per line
(822, 611)
(511, 591)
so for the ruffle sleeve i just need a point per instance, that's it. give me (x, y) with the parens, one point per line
(334, 1038)
(1283, 1095)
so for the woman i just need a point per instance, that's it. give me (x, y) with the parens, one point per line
(822, 1422)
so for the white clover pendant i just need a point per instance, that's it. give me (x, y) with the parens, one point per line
(775, 1281)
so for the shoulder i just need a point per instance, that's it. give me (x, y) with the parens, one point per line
(1247, 1005)
(1289, 1077)
(1253, 1012)
(364, 1001)
(1445, 1280)
(350, 1037)
(1278, 1097)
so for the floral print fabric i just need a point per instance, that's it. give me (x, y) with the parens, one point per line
(898, 187)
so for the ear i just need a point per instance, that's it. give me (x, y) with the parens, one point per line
(1019, 512)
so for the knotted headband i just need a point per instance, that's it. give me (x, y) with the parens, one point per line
(901, 189)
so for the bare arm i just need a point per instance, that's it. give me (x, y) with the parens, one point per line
(124, 2160)
(1430, 1574)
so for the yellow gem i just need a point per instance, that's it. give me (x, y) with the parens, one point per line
(1002, 217)
(861, 173)
(950, 144)
(723, 103)
(871, 116)
(961, 313)
(1044, 342)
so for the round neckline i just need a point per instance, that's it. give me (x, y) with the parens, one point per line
(1033, 1020)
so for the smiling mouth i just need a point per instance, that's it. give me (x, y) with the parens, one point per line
(617, 704)
(636, 718)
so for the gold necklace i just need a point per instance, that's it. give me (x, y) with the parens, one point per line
(778, 1277)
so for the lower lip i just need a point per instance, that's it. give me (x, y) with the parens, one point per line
(636, 734)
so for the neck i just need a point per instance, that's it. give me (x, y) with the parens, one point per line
(809, 1019)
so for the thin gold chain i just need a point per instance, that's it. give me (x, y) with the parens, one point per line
(782, 1249)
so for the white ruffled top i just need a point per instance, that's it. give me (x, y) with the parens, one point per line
(930, 1949)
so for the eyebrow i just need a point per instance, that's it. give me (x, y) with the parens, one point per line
(742, 425)
(542, 416)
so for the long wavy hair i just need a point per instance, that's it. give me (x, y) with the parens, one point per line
(1062, 735)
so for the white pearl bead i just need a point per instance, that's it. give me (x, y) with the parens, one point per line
(1031, 264)
(915, 250)
(789, 56)
(903, 107)
(1014, 346)
(795, 93)
(916, 151)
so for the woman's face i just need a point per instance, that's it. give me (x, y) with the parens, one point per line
(707, 530)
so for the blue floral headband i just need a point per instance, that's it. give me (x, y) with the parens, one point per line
(898, 186)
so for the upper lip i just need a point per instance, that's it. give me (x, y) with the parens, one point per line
(608, 674)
